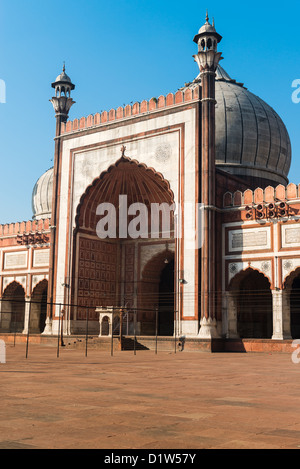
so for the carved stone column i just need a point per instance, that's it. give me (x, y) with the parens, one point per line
(232, 331)
(27, 316)
(281, 315)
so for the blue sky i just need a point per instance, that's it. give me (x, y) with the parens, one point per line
(125, 51)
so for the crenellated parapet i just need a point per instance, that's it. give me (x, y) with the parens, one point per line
(262, 196)
(134, 110)
(24, 227)
(271, 202)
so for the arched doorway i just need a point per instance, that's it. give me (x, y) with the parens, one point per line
(105, 326)
(295, 308)
(252, 298)
(38, 310)
(106, 268)
(157, 291)
(292, 288)
(166, 306)
(13, 308)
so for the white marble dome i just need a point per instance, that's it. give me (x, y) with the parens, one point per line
(251, 139)
(42, 196)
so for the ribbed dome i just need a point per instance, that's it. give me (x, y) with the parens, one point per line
(251, 139)
(42, 196)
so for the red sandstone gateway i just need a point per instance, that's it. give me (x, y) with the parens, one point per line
(212, 143)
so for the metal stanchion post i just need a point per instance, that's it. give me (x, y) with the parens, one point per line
(134, 332)
(156, 328)
(112, 334)
(28, 327)
(62, 329)
(15, 327)
(121, 327)
(86, 332)
(58, 331)
(175, 326)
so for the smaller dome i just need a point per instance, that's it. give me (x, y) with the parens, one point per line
(207, 28)
(63, 77)
(42, 196)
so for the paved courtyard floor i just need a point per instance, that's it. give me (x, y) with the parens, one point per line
(145, 401)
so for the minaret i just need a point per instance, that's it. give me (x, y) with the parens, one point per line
(62, 103)
(207, 60)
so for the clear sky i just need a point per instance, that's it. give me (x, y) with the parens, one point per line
(122, 51)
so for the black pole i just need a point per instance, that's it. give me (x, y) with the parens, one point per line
(121, 327)
(28, 327)
(58, 332)
(86, 332)
(112, 334)
(156, 328)
(15, 327)
(134, 332)
(175, 335)
(62, 329)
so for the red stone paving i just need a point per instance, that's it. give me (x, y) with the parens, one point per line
(185, 400)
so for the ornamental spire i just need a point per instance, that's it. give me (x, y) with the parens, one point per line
(207, 40)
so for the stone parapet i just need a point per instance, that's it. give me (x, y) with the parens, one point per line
(132, 110)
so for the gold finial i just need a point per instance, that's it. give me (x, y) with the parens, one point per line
(207, 18)
(64, 67)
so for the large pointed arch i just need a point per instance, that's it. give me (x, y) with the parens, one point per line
(126, 176)
(106, 270)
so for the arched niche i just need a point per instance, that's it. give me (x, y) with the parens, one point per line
(106, 269)
(292, 290)
(157, 290)
(38, 309)
(250, 312)
(13, 308)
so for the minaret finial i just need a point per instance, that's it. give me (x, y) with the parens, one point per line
(213, 23)
(123, 149)
(207, 18)
(64, 67)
